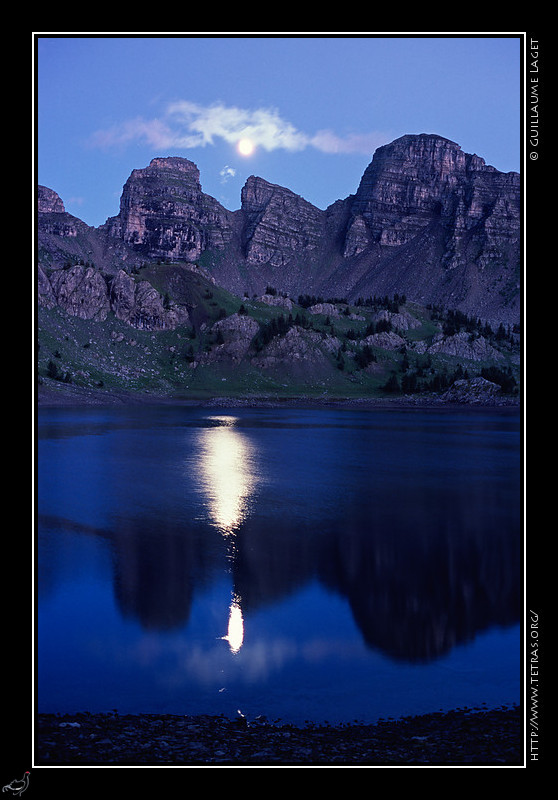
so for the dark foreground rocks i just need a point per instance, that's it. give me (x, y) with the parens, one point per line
(464, 737)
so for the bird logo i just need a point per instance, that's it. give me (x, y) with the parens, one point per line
(17, 787)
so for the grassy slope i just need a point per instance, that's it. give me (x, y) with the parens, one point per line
(113, 356)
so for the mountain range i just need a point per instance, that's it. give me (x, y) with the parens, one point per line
(432, 235)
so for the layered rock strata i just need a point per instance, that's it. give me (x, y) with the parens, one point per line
(279, 226)
(427, 220)
(438, 224)
(165, 214)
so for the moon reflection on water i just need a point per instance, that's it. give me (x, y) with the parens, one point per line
(228, 482)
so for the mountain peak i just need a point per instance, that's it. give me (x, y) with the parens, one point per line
(49, 201)
(162, 166)
(424, 137)
(173, 162)
(428, 221)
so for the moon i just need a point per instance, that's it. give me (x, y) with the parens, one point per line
(245, 147)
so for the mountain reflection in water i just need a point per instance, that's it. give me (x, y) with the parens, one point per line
(413, 523)
(422, 568)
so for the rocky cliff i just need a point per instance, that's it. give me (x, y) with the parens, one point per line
(165, 214)
(278, 225)
(85, 292)
(436, 224)
(427, 220)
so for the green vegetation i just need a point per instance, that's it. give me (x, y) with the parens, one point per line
(456, 321)
(363, 354)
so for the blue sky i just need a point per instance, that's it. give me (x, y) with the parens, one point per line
(315, 107)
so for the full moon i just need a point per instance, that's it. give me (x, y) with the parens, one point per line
(245, 147)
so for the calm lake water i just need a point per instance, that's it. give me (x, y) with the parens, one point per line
(325, 565)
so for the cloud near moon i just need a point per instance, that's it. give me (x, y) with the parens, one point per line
(187, 125)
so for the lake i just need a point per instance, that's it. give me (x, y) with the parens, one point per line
(301, 564)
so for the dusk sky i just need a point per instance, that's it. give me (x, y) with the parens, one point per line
(314, 108)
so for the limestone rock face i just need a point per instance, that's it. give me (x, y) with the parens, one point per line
(237, 333)
(53, 217)
(358, 236)
(48, 201)
(474, 391)
(279, 225)
(141, 306)
(408, 183)
(45, 292)
(464, 346)
(388, 340)
(427, 220)
(437, 224)
(81, 292)
(400, 320)
(165, 214)
(84, 292)
(275, 300)
(324, 308)
(297, 348)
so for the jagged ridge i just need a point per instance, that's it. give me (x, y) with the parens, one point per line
(170, 296)
(427, 220)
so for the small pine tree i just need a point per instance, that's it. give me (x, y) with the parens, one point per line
(52, 370)
(391, 385)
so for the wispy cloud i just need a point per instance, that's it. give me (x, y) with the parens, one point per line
(153, 132)
(187, 125)
(227, 173)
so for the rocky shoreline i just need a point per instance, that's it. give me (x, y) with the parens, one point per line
(464, 737)
(62, 395)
